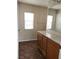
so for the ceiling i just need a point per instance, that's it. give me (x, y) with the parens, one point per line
(36, 2)
(46, 3)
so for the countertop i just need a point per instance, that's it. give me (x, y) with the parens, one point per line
(53, 35)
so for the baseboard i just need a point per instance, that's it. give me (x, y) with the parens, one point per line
(27, 40)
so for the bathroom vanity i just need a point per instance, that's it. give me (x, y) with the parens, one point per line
(49, 44)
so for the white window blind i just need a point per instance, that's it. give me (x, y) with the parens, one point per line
(29, 20)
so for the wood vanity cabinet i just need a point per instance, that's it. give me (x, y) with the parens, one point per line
(48, 48)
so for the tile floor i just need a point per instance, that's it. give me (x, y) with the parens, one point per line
(28, 50)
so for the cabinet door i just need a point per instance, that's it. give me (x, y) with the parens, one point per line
(52, 52)
(39, 40)
(44, 45)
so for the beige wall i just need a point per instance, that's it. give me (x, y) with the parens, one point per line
(58, 21)
(40, 17)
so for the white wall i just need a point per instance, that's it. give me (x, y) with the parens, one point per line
(40, 18)
(58, 21)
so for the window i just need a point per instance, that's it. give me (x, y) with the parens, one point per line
(29, 20)
(49, 21)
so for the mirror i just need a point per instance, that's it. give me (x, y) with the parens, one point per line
(54, 15)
